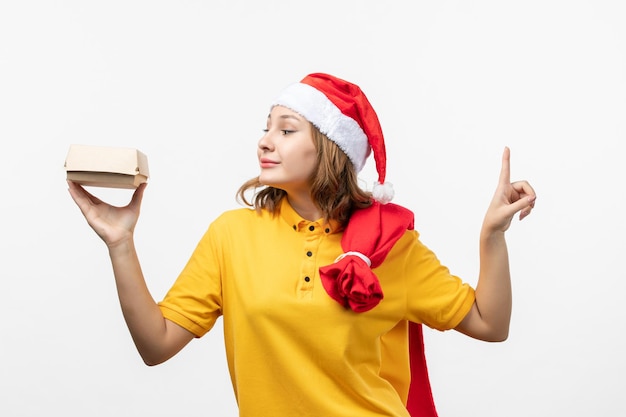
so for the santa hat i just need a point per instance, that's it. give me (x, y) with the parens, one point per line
(341, 111)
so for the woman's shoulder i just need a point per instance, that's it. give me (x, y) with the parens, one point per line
(240, 217)
(241, 212)
(241, 223)
(408, 240)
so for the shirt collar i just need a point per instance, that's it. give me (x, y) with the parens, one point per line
(296, 222)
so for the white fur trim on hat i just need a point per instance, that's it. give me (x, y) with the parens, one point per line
(314, 106)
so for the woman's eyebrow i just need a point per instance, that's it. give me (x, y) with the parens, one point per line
(285, 116)
(289, 116)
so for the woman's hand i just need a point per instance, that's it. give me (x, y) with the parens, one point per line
(490, 316)
(509, 198)
(156, 338)
(112, 224)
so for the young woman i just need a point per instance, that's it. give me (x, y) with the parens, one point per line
(323, 287)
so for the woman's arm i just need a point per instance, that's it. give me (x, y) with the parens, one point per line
(156, 338)
(490, 315)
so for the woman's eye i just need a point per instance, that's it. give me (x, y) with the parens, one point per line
(285, 132)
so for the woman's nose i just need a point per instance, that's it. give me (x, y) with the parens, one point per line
(265, 143)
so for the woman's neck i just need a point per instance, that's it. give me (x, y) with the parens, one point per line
(305, 207)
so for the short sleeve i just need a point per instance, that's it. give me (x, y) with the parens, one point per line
(434, 296)
(194, 301)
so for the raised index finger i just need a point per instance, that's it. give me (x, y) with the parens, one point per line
(505, 171)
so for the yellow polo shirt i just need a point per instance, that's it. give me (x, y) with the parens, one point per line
(291, 349)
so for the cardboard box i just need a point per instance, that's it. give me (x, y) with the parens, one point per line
(102, 166)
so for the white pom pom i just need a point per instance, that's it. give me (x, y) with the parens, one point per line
(383, 193)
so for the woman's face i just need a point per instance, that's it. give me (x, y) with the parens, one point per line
(286, 152)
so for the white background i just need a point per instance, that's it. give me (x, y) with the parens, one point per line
(189, 83)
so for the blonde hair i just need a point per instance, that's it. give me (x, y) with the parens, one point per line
(334, 185)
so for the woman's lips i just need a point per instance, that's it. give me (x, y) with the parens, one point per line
(267, 163)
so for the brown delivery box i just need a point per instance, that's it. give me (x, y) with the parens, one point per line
(103, 166)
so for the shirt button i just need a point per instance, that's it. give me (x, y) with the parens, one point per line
(309, 254)
(307, 279)
(311, 228)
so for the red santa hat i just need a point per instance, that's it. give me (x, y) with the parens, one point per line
(341, 111)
